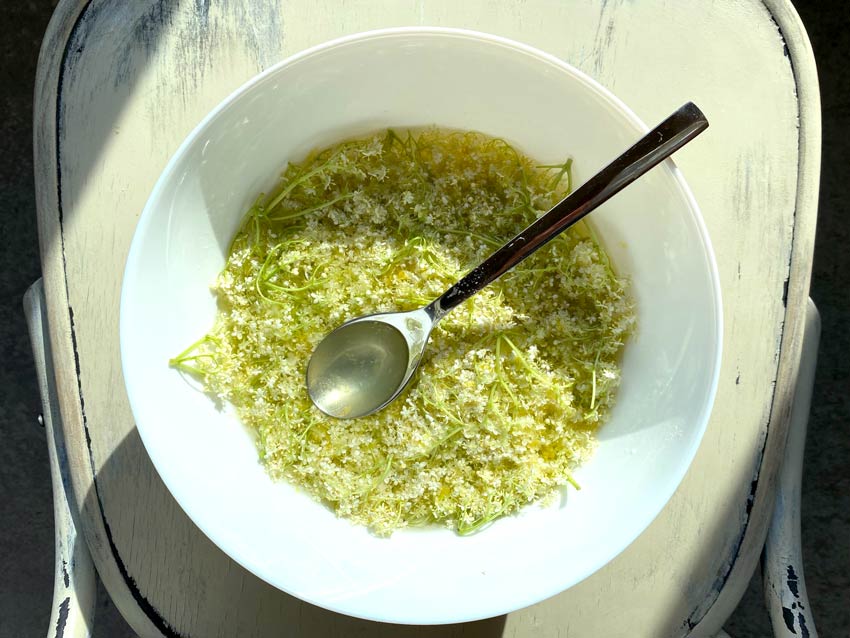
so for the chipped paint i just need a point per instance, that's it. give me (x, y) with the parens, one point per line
(792, 581)
(62, 621)
(788, 617)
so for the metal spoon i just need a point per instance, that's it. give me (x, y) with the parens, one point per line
(365, 363)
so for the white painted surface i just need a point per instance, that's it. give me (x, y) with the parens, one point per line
(136, 80)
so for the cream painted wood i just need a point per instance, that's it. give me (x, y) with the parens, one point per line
(74, 593)
(785, 592)
(121, 83)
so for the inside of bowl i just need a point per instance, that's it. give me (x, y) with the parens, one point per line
(401, 79)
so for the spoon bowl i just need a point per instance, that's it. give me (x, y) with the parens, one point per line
(366, 363)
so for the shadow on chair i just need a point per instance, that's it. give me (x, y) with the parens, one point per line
(199, 586)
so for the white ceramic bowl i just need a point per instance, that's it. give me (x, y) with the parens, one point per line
(412, 77)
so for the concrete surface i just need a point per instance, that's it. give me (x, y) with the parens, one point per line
(26, 531)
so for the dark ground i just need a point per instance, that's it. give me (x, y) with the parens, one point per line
(26, 519)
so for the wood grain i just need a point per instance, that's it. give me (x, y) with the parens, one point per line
(121, 84)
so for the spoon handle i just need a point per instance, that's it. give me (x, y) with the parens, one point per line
(654, 147)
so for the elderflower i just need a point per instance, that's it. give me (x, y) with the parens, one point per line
(514, 382)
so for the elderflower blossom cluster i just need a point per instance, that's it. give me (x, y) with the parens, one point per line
(514, 382)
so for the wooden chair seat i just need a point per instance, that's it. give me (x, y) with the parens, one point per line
(120, 84)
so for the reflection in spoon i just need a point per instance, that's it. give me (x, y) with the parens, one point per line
(354, 364)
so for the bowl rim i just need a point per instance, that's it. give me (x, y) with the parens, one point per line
(674, 480)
